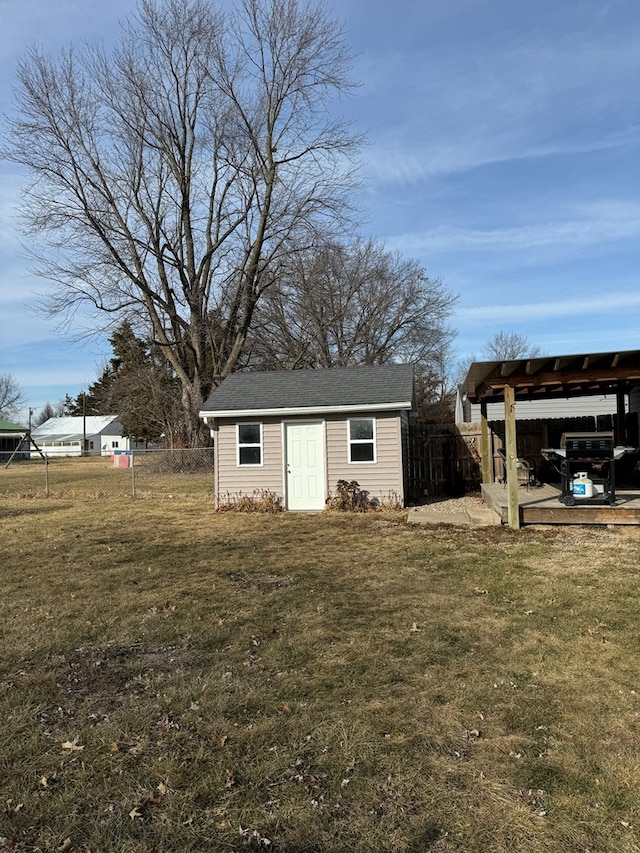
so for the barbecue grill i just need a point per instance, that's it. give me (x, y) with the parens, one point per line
(591, 456)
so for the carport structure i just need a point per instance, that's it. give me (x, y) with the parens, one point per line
(546, 377)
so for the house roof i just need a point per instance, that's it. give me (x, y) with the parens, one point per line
(344, 389)
(72, 428)
(8, 426)
(554, 376)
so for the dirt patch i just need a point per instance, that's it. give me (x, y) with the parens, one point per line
(263, 583)
(105, 676)
(27, 510)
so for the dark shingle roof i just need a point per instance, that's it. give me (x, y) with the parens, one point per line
(365, 387)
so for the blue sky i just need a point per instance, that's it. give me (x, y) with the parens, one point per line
(503, 153)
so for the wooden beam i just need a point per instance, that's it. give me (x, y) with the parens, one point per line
(485, 448)
(510, 367)
(621, 419)
(580, 515)
(511, 452)
(560, 379)
(564, 361)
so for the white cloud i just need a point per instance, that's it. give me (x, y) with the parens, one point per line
(398, 164)
(519, 95)
(580, 226)
(530, 312)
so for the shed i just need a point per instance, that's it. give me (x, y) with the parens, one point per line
(296, 433)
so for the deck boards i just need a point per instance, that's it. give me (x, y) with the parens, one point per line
(541, 506)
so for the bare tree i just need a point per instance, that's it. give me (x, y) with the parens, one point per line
(345, 304)
(173, 177)
(61, 409)
(436, 387)
(509, 346)
(11, 396)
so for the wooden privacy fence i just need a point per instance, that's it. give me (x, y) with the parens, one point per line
(444, 459)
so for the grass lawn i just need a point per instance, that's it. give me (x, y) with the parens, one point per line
(175, 679)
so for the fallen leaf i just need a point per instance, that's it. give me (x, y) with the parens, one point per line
(162, 789)
(72, 745)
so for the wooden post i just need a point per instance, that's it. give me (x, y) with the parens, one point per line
(511, 452)
(485, 448)
(620, 436)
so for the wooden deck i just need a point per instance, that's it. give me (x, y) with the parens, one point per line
(541, 506)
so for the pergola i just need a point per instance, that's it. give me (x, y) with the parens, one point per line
(546, 377)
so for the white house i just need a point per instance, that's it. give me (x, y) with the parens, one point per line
(101, 434)
(564, 407)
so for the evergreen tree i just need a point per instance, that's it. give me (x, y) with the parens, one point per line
(137, 385)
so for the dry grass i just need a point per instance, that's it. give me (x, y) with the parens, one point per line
(159, 474)
(177, 679)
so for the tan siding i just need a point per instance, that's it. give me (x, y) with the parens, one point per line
(382, 479)
(216, 464)
(404, 450)
(233, 478)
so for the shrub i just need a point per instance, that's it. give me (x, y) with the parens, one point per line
(349, 497)
(261, 500)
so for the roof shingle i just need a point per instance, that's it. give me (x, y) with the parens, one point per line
(366, 386)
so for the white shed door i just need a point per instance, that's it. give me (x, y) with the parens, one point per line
(305, 466)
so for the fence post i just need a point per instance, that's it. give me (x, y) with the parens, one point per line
(46, 475)
(486, 456)
(133, 476)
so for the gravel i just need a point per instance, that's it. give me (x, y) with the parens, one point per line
(450, 505)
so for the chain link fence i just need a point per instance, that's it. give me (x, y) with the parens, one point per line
(140, 474)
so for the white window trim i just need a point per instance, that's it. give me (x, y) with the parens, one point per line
(351, 441)
(245, 444)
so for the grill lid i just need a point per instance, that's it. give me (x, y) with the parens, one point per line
(592, 445)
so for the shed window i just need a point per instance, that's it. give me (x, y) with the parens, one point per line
(362, 440)
(249, 444)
